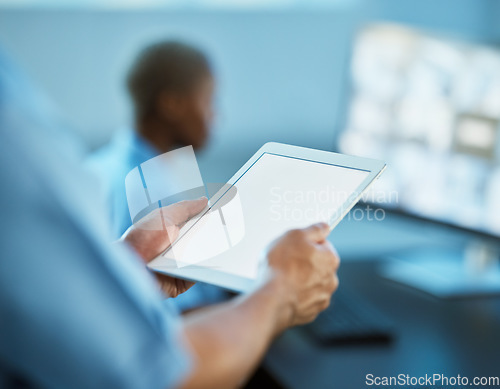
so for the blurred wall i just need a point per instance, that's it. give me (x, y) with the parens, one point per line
(282, 74)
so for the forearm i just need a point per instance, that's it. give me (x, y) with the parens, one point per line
(230, 339)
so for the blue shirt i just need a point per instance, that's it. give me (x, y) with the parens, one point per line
(112, 163)
(75, 310)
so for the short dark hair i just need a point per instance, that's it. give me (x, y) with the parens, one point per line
(169, 65)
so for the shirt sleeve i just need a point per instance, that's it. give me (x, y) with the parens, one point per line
(74, 311)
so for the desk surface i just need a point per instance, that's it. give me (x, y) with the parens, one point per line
(432, 336)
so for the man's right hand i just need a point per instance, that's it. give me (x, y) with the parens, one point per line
(303, 268)
(231, 338)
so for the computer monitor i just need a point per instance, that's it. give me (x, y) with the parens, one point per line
(430, 106)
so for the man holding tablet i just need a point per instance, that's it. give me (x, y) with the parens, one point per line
(282, 187)
(79, 312)
(229, 339)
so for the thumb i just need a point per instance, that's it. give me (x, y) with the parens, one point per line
(317, 232)
(184, 210)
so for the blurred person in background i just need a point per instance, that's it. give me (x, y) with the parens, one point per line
(77, 311)
(171, 87)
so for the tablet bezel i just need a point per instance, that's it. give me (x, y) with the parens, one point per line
(241, 284)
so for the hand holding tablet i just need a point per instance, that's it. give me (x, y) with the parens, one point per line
(281, 187)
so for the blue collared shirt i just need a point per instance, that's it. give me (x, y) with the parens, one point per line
(111, 164)
(75, 310)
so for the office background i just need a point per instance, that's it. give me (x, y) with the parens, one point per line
(282, 66)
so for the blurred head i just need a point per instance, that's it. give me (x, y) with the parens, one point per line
(171, 86)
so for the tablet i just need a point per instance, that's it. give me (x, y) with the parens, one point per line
(280, 188)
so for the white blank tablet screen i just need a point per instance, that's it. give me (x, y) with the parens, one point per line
(276, 194)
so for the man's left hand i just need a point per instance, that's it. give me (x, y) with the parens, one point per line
(155, 232)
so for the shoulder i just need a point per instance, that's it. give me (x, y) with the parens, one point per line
(111, 162)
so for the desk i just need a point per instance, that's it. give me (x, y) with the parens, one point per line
(432, 336)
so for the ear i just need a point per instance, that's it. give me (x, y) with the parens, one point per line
(170, 105)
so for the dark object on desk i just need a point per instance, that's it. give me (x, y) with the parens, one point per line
(350, 320)
(262, 379)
